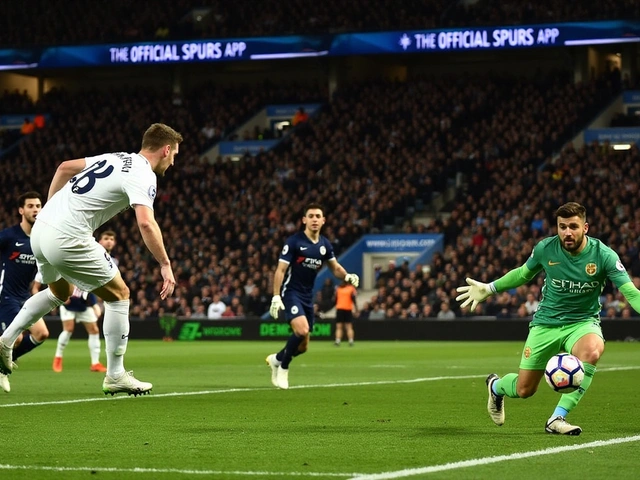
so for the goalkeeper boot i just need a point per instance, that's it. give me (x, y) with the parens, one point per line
(273, 363)
(560, 426)
(283, 378)
(125, 383)
(495, 404)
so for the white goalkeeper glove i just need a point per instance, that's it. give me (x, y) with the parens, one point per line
(353, 279)
(475, 293)
(276, 306)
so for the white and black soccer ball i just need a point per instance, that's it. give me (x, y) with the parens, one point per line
(564, 373)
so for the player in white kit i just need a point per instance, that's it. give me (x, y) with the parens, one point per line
(84, 194)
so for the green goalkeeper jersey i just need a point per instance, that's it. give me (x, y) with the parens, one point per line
(573, 284)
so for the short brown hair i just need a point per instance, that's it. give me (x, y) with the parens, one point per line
(108, 233)
(22, 199)
(313, 206)
(572, 209)
(158, 135)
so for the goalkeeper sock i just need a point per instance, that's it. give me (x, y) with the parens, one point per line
(506, 385)
(559, 412)
(568, 401)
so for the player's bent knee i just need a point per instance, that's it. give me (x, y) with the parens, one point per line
(42, 336)
(526, 391)
(92, 328)
(590, 356)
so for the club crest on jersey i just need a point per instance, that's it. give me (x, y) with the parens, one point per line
(591, 268)
(323, 250)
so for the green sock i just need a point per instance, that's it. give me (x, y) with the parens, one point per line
(568, 401)
(507, 385)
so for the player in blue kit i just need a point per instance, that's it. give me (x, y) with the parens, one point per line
(17, 275)
(302, 257)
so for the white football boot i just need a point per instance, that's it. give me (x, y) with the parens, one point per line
(125, 383)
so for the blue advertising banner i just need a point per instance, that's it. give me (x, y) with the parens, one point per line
(631, 97)
(288, 111)
(253, 147)
(394, 243)
(299, 46)
(259, 48)
(16, 121)
(612, 135)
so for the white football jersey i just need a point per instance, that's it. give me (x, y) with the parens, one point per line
(109, 184)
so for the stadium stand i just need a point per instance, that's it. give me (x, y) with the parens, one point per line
(224, 222)
(106, 22)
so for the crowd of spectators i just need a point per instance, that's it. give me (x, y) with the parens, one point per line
(367, 156)
(125, 21)
(493, 230)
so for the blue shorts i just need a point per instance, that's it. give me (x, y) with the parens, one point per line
(9, 308)
(296, 306)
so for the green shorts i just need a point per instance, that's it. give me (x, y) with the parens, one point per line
(545, 341)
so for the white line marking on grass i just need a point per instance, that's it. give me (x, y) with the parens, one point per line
(173, 470)
(489, 460)
(257, 389)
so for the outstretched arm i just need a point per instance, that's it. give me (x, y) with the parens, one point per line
(513, 279)
(477, 292)
(632, 294)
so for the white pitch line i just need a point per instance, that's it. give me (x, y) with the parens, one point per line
(409, 472)
(257, 389)
(173, 471)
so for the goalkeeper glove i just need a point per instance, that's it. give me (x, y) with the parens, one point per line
(353, 279)
(475, 293)
(276, 306)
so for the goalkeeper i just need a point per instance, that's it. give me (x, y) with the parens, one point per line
(567, 319)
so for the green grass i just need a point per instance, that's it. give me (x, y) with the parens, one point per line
(350, 410)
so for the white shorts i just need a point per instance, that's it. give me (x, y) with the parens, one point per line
(80, 260)
(88, 316)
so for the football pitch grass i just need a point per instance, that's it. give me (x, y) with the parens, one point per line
(379, 410)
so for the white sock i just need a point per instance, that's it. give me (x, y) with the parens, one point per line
(116, 335)
(63, 340)
(94, 347)
(33, 310)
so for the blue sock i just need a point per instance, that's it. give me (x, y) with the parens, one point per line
(286, 354)
(493, 388)
(26, 345)
(559, 411)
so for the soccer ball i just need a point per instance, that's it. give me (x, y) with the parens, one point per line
(564, 373)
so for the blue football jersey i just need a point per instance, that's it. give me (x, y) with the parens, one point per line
(305, 260)
(18, 264)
